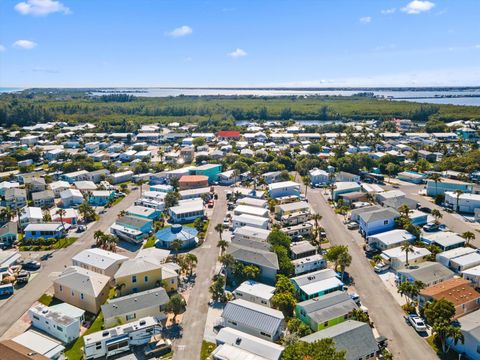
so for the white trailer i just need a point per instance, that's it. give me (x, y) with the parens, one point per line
(119, 339)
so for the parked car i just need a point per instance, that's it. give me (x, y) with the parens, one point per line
(431, 227)
(157, 347)
(381, 267)
(355, 297)
(226, 222)
(425, 209)
(352, 225)
(417, 323)
(81, 228)
(31, 265)
(22, 277)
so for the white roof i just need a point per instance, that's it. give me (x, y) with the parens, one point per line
(393, 236)
(443, 238)
(454, 253)
(250, 219)
(318, 172)
(229, 352)
(252, 231)
(32, 212)
(398, 253)
(190, 206)
(43, 227)
(99, 258)
(59, 184)
(465, 260)
(256, 289)
(252, 210)
(250, 343)
(140, 210)
(283, 184)
(39, 343)
(315, 287)
(474, 271)
(70, 193)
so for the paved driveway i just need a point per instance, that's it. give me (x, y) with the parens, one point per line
(383, 308)
(194, 319)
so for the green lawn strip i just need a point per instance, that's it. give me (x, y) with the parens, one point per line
(207, 349)
(74, 351)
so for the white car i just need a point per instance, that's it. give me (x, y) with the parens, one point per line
(381, 267)
(417, 323)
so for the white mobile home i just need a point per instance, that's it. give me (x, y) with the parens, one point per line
(255, 292)
(250, 220)
(54, 323)
(251, 233)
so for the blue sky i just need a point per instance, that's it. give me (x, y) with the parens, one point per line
(239, 43)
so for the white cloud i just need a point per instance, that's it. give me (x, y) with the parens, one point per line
(477, 46)
(180, 31)
(24, 44)
(388, 11)
(41, 7)
(366, 19)
(2, 48)
(237, 53)
(418, 6)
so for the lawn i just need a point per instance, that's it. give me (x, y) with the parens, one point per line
(74, 351)
(207, 348)
(65, 242)
(46, 299)
(150, 242)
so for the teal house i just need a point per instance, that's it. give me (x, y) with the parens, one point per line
(210, 170)
(101, 197)
(144, 212)
(316, 284)
(325, 311)
(8, 234)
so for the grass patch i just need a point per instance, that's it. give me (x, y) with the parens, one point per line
(74, 351)
(150, 242)
(63, 243)
(451, 355)
(46, 299)
(207, 348)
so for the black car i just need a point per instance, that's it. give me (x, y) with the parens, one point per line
(425, 209)
(31, 265)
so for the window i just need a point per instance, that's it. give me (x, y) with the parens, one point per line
(146, 278)
(36, 317)
(130, 316)
(264, 334)
(73, 294)
(81, 296)
(134, 279)
(232, 322)
(325, 323)
(385, 222)
(478, 348)
(61, 288)
(60, 328)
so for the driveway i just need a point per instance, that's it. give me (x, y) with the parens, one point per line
(21, 301)
(195, 317)
(384, 310)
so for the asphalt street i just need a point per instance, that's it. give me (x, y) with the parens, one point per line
(195, 317)
(384, 311)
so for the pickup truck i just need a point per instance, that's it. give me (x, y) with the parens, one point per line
(157, 346)
(381, 267)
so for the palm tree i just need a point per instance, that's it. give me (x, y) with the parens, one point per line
(122, 213)
(377, 259)
(176, 245)
(317, 218)
(46, 216)
(435, 177)
(61, 213)
(458, 193)
(118, 288)
(437, 215)
(468, 236)
(404, 210)
(99, 237)
(223, 244)
(306, 182)
(344, 260)
(407, 247)
(191, 261)
(219, 228)
(7, 214)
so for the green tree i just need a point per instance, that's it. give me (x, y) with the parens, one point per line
(298, 327)
(176, 305)
(468, 236)
(171, 199)
(284, 285)
(334, 253)
(344, 260)
(408, 248)
(277, 237)
(198, 141)
(439, 310)
(458, 193)
(285, 302)
(442, 330)
(437, 215)
(217, 288)
(250, 272)
(176, 245)
(359, 315)
(323, 349)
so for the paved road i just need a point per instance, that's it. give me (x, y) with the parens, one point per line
(194, 319)
(453, 221)
(385, 312)
(21, 301)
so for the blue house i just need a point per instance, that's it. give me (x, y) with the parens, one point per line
(377, 221)
(317, 283)
(186, 234)
(46, 231)
(443, 185)
(101, 197)
(135, 223)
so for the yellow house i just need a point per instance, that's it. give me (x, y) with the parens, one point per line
(137, 275)
(82, 288)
